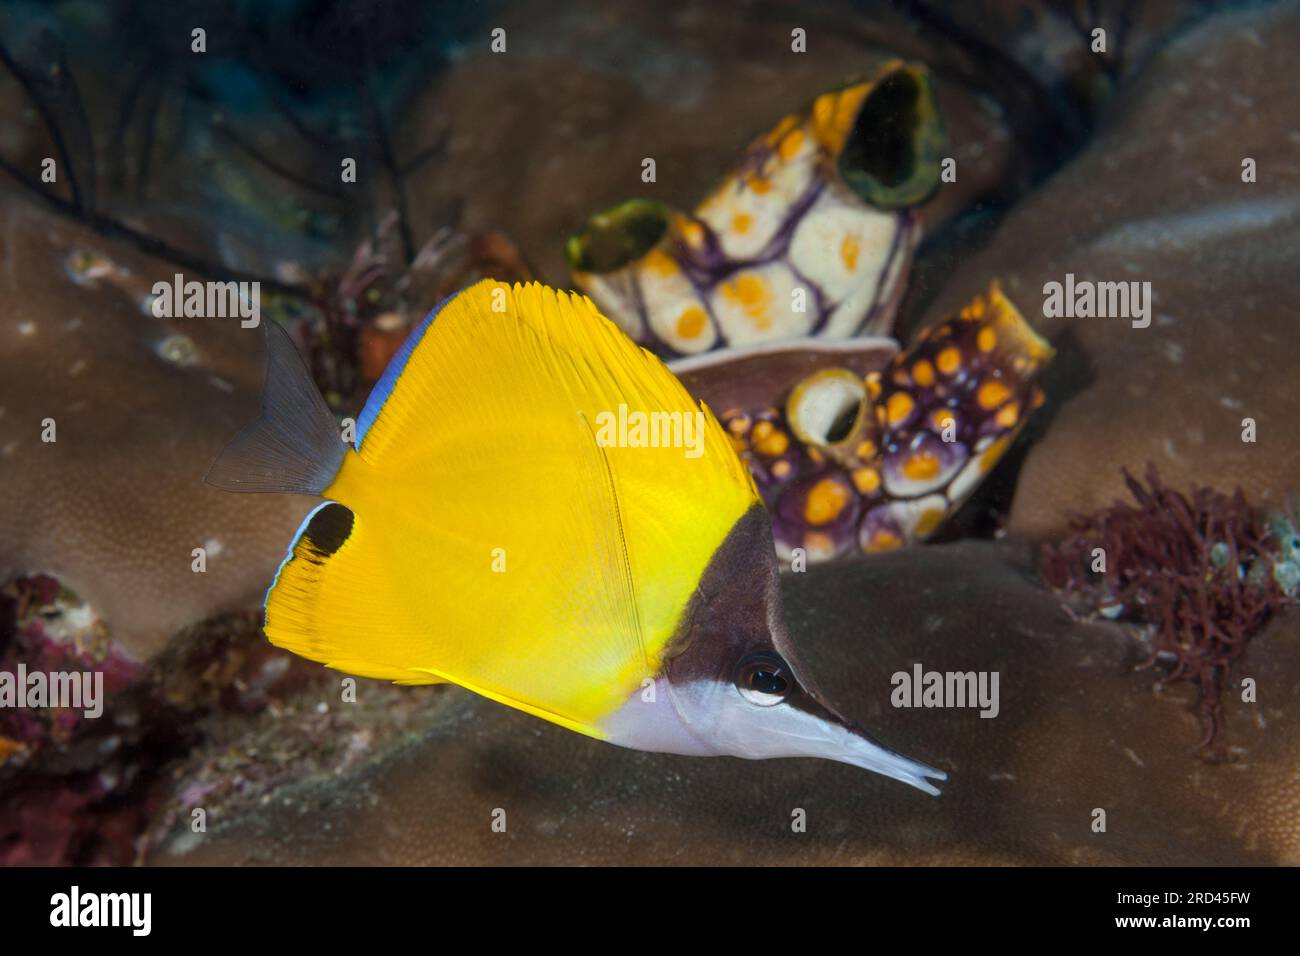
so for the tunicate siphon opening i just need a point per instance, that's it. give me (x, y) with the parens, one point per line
(891, 156)
(617, 236)
(825, 408)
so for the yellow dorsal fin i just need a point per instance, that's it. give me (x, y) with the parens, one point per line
(502, 532)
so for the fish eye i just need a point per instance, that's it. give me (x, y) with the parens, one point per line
(763, 679)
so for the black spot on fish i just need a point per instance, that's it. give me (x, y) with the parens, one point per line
(328, 529)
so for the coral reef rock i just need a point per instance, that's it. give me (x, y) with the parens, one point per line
(115, 506)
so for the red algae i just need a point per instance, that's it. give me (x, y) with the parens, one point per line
(1193, 570)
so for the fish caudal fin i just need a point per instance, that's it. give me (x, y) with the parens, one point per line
(296, 445)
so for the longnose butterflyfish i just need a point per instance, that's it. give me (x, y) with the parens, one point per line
(535, 509)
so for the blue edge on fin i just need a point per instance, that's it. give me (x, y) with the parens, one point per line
(396, 366)
(374, 405)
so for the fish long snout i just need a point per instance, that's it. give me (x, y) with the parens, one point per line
(846, 743)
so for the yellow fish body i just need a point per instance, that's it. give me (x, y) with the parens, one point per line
(535, 509)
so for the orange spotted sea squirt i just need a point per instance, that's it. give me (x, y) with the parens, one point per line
(878, 456)
(810, 234)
